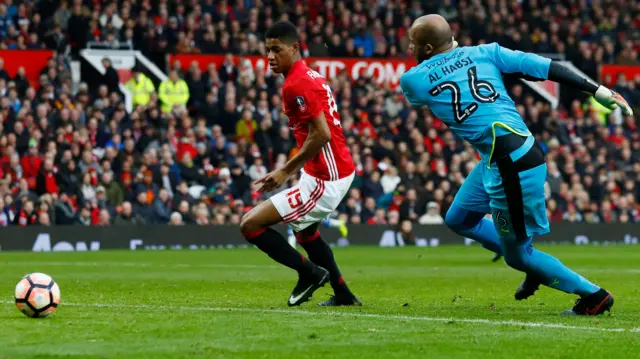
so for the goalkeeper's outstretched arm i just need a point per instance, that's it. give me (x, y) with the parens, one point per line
(537, 68)
(610, 99)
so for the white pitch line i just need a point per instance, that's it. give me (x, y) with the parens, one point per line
(259, 266)
(138, 265)
(354, 315)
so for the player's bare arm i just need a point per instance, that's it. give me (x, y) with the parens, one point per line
(319, 136)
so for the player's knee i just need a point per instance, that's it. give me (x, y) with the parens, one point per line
(307, 236)
(249, 227)
(458, 218)
(451, 219)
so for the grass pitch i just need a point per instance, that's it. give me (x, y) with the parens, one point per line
(447, 302)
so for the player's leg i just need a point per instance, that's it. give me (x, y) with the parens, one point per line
(521, 255)
(467, 212)
(337, 224)
(518, 209)
(306, 228)
(256, 228)
(321, 254)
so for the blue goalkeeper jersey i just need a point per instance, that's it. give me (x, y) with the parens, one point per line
(464, 88)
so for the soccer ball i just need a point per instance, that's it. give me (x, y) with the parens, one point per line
(37, 295)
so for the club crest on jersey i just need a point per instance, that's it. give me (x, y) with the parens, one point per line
(301, 105)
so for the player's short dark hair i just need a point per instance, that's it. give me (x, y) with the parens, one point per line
(284, 31)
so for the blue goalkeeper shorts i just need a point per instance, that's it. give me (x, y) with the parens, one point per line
(511, 188)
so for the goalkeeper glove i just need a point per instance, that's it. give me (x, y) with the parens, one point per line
(612, 100)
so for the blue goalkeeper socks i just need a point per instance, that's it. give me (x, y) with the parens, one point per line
(546, 268)
(521, 256)
(472, 225)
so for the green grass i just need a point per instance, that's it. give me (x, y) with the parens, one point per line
(447, 302)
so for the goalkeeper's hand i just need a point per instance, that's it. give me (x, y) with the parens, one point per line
(612, 100)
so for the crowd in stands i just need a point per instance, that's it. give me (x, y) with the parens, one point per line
(191, 148)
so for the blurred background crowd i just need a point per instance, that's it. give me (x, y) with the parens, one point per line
(194, 143)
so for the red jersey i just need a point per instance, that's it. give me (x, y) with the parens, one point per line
(306, 94)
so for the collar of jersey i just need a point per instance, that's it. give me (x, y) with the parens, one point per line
(437, 56)
(296, 65)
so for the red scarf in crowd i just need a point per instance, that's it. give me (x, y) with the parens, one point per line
(26, 220)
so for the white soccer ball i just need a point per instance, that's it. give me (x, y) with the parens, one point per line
(37, 295)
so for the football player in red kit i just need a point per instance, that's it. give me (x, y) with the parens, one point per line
(327, 171)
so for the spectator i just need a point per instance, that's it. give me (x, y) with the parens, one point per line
(63, 209)
(202, 216)
(197, 88)
(46, 181)
(162, 207)
(127, 217)
(113, 191)
(318, 48)
(44, 220)
(246, 127)
(372, 186)
(406, 231)
(62, 15)
(186, 44)
(176, 219)
(140, 87)
(110, 76)
(240, 182)
(6, 21)
(143, 209)
(174, 93)
(31, 162)
(23, 191)
(20, 80)
(87, 189)
(364, 40)
(189, 172)
(409, 208)
(110, 17)
(101, 197)
(228, 72)
(367, 212)
(104, 219)
(209, 108)
(69, 178)
(26, 216)
(433, 214)
(147, 186)
(257, 169)
(3, 73)
(185, 211)
(166, 179)
(84, 219)
(390, 179)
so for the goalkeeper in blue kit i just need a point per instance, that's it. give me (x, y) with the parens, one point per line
(464, 88)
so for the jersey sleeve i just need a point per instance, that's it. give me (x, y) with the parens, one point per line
(405, 85)
(304, 101)
(514, 62)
